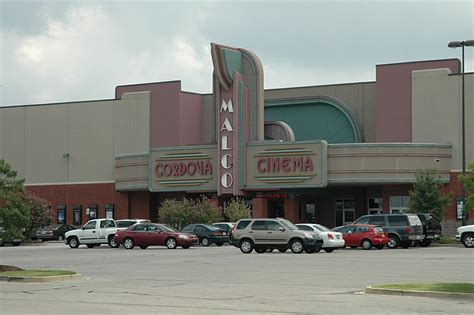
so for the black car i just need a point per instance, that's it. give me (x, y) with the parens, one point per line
(207, 234)
(402, 229)
(431, 229)
(53, 232)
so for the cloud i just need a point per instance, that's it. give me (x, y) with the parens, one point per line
(69, 51)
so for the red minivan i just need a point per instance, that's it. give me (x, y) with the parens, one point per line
(365, 235)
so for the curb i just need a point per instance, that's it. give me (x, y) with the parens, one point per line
(75, 276)
(465, 296)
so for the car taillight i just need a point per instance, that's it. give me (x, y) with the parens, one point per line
(409, 230)
(217, 233)
(330, 236)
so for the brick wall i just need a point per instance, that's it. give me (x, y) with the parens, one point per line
(85, 195)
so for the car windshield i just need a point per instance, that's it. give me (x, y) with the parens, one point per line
(167, 228)
(288, 225)
(321, 228)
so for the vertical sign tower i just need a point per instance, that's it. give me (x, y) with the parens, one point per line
(238, 106)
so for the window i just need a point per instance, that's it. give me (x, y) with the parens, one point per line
(346, 229)
(90, 226)
(399, 204)
(305, 228)
(125, 224)
(273, 226)
(107, 224)
(377, 220)
(188, 228)
(77, 214)
(363, 220)
(139, 228)
(200, 228)
(109, 211)
(243, 224)
(153, 228)
(375, 206)
(361, 229)
(92, 212)
(259, 225)
(61, 215)
(397, 220)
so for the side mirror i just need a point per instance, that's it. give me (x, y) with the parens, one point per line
(281, 229)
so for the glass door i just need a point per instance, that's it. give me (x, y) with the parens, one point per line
(345, 211)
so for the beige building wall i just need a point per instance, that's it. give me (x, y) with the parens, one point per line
(436, 111)
(74, 142)
(359, 97)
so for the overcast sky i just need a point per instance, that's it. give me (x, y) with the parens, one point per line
(55, 51)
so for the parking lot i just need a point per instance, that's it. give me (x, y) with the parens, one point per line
(215, 280)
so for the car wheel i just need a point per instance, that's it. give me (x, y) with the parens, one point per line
(309, 250)
(366, 244)
(317, 249)
(143, 247)
(171, 243)
(112, 243)
(60, 238)
(329, 250)
(297, 246)
(246, 246)
(90, 245)
(269, 250)
(405, 245)
(219, 244)
(186, 246)
(468, 240)
(393, 241)
(425, 243)
(204, 241)
(128, 243)
(73, 242)
(260, 250)
(282, 250)
(379, 246)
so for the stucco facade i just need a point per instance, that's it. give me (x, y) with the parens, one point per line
(335, 152)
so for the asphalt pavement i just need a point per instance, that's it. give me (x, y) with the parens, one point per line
(217, 280)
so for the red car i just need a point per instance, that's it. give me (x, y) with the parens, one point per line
(365, 235)
(151, 234)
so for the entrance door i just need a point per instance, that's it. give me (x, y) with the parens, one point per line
(345, 211)
(310, 213)
(276, 209)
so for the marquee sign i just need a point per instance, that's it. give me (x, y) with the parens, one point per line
(183, 169)
(287, 165)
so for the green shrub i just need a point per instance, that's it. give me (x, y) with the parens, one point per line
(237, 209)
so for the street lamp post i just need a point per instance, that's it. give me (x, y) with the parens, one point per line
(462, 44)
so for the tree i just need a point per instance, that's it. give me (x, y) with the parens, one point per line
(237, 209)
(40, 212)
(179, 213)
(14, 212)
(426, 195)
(468, 182)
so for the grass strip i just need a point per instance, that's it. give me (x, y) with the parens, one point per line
(37, 273)
(431, 287)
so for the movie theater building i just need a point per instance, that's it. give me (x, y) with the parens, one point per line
(326, 154)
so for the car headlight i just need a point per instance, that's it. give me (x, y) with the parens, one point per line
(307, 235)
(184, 237)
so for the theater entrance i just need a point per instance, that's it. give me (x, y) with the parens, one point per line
(276, 208)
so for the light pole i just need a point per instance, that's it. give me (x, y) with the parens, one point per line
(462, 44)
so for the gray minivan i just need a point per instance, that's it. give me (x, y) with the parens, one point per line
(402, 229)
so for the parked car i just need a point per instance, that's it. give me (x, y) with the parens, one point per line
(153, 234)
(207, 234)
(53, 232)
(94, 233)
(465, 234)
(268, 234)
(4, 240)
(364, 235)
(224, 226)
(402, 229)
(331, 240)
(125, 223)
(431, 229)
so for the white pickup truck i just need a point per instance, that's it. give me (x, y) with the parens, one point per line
(93, 233)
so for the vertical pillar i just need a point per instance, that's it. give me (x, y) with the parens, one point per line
(259, 207)
(292, 210)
